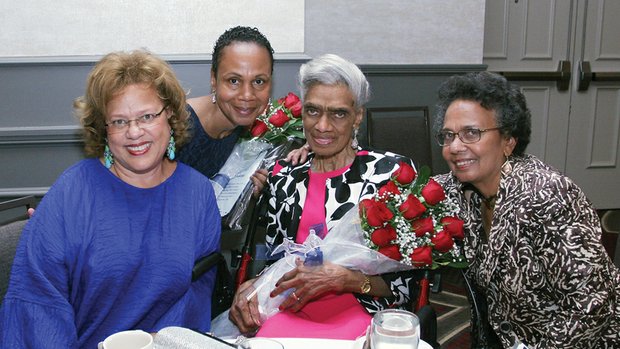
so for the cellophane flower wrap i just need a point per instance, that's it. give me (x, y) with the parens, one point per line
(407, 224)
(273, 134)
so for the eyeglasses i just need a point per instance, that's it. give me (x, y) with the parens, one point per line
(467, 136)
(146, 120)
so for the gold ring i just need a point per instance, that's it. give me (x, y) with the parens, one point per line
(295, 296)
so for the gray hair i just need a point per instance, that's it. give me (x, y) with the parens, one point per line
(331, 69)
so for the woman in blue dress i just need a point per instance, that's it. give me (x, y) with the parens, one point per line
(113, 242)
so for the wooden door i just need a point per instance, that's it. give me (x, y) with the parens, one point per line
(540, 44)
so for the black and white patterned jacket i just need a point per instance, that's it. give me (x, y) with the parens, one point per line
(369, 171)
(543, 267)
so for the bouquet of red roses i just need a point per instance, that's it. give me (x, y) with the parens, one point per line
(272, 134)
(281, 121)
(410, 221)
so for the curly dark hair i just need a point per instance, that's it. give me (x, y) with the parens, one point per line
(494, 93)
(239, 34)
(111, 75)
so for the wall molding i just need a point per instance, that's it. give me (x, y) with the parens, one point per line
(25, 191)
(40, 135)
(420, 69)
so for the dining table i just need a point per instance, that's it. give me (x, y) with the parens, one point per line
(313, 343)
(183, 338)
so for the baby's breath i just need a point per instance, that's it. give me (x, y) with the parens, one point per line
(406, 239)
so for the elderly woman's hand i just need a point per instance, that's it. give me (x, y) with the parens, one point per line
(259, 178)
(243, 311)
(298, 156)
(311, 282)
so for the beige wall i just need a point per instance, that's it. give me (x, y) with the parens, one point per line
(95, 27)
(397, 31)
(365, 31)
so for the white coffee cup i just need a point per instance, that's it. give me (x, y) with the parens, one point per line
(135, 339)
(260, 343)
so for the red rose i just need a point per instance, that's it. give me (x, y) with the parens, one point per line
(279, 118)
(422, 226)
(412, 207)
(390, 187)
(422, 256)
(296, 110)
(433, 192)
(391, 251)
(442, 241)
(289, 100)
(378, 213)
(383, 236)
(259, 128)
(365, 205)
(405, 174)
(454, 227)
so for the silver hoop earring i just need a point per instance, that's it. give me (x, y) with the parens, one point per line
(213, 100)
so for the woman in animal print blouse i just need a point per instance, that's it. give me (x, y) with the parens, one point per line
(533, 240)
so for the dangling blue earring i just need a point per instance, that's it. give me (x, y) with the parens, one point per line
(171, 147)
(107, 156)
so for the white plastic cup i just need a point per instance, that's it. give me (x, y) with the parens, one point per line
(135, 339)
(394, 328)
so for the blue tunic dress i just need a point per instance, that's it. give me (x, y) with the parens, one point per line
(101, 256)
(206, 154)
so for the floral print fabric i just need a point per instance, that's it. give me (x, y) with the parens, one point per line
(543, 267)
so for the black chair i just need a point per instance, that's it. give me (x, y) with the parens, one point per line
(16, 209)
(240, 260)
(15, 218)
(425, 312)
(482, 334)
(224, 289)
(401, 130)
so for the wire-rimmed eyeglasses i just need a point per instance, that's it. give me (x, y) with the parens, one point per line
(467, 135)
(146, 120)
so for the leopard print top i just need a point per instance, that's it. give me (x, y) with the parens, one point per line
(543, 266)
(370, 170)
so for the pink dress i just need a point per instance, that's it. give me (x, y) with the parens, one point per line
(335, 316)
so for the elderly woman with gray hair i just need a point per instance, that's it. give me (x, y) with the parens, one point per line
(329, 301)
(532, 238)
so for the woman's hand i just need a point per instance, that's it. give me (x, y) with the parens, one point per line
(298, 156)
(243, 311)
(310, 283)
(259, 179)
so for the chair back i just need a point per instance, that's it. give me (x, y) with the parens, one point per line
(9, 238)
(610, 222)
(16, 209)
(405, 131)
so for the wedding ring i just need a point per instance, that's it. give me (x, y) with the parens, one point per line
(295, 296)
